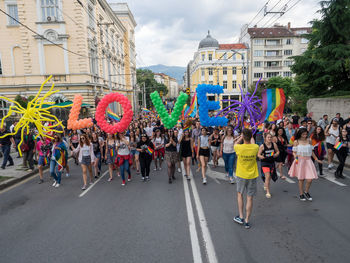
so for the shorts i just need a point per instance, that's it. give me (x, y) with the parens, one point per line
(204, 152)
(134, 152)
(214, 148)
(330, 146)
(248, 185)
(98, 155)
(41, 160)
(266, 170)
(86, 160)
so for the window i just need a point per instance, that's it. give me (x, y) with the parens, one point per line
(49, 8)
(300, 32)
(243, 70)
(259, 41)
(0, 66)
(13, 11)
(304, 41)
(4, 107)
(203, 72)
(258, 53)
(288, 63)
(224, 70)
(225, 55)
(288, 52)
(242, 56)
(225, 84)
(257, 64)
(287, 74)
(210, 71)
(271, 42)
(271, 64)
(210, 57)
(272, 74)
(234, 70)
(272, 53)
(91, 17)
(106, 30)
(203, 57)
(211, 82)
(288, 41)
(233, 56)
(258, 75)
(93, 62)
(234, 84)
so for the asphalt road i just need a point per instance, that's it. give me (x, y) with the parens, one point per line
(181, 222)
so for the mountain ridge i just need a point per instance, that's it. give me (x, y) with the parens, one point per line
(175, 72)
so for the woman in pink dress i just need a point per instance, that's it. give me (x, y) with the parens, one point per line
(303, 167)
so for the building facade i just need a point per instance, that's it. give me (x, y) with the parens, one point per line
(271, 50)
(170, 83)
(219, 64)
(86, 45)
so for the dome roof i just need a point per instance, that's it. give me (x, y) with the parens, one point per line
(208, 42)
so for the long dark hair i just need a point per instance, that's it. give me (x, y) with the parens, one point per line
(299, 133)
(284, 135)
(318, 137)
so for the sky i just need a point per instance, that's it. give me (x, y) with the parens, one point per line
(168, 31)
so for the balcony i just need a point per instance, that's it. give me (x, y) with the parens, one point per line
(273, 45)
(273, 57)
(273, 67)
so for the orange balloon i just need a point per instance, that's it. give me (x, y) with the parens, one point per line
(73, 122)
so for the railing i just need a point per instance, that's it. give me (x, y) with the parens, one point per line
(276, 56)
(273, 45)
(273, 67)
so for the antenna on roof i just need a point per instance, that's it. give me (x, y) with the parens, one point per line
(208, 32)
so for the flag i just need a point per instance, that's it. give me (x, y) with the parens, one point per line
(193, 108)
(112, 152)
(187, 128)
(146, 110)
(112, 115)
(273, 101)
(150, 150)
(338, 145)
(60, 159)
(292, 139)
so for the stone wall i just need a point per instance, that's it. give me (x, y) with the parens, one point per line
(321, 106)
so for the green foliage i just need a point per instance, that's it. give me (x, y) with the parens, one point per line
(146, 77)
(23, 101)
(324, 68)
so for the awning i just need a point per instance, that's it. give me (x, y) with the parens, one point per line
(67, 103)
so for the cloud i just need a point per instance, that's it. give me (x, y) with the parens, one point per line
(168, 32)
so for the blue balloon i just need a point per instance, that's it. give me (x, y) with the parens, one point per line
(205, 105)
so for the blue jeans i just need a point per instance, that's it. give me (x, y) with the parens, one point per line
(229, 159)
(54, 171)
(124, 167)
(7, 157)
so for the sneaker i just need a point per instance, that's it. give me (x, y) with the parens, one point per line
(308, 196)
(54, 183)
(57, 185)
(232, 180)
(123, 183)
(188, 178)
(67, 175)
(96, 176)
(302, 198)
(330, 166)
(143, 179)
(110, 179)
(155, 169)
(179, 170)
(40, 181)
(3, 167)
(147, 178)
(160, 168)
(205, 180)
(11, 164)
(83, 188)
(91, 183)
(30, 170)
(342, 176)
(238, 220)
(98, 173)
(246, 225)
(129, 178)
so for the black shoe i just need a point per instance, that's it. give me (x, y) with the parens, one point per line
(336, 175)
(40, 181)
(98, 173)
(96, 176)
(308, 196)
(341, 176)
(302, 198)
(3, 167)
(174, 178)
(11, 164)
(170, 181)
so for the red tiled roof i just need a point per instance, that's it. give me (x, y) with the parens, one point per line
(279, 31)
(232, 46)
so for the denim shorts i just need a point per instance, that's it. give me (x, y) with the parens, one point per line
(134, 152)
(41, 160)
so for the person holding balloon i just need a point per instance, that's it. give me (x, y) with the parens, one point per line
(110, 154)
(123, 157)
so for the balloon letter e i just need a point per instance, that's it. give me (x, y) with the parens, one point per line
(101, 110)
(205, 105)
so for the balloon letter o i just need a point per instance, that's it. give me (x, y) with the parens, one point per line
(101, 111)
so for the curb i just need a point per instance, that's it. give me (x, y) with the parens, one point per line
(14, 181)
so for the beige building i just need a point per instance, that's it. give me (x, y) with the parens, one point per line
(87, 45)
(170, 83)
(271, 49)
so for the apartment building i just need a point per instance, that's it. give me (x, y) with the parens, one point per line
(170, 83)
(271, 50)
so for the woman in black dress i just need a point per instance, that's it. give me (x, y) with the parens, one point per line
(145, 147)
(186, 151)
(282, 143)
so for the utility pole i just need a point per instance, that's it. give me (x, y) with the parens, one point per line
(144, 95)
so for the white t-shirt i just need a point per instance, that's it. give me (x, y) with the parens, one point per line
(123, 149)
(149, 131)
(334, 133)
(85, 150)
(227, 145)
(158, 141)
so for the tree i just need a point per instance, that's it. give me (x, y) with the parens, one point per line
(145, 77)
(324, 68)
(23, 101)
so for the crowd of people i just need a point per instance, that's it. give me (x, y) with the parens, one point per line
(299, 145)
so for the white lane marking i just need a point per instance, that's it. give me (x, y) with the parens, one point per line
(196, 251)
(221, 162)
(287, 179)
(208, 243)
(330, 177)
(216, 175)
(89, 188)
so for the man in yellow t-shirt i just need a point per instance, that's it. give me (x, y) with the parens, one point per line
(246, 172)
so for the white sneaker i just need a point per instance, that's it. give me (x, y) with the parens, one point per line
(155, 169)
(57, 185)
(67, 174)
(179, 170)
(160, 168)
(232, 180)
(54, 183)
(330, 166)
(204, 180)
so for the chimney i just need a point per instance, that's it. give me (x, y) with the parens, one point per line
(288, 25)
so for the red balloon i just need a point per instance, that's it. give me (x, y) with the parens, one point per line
(101, 109)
